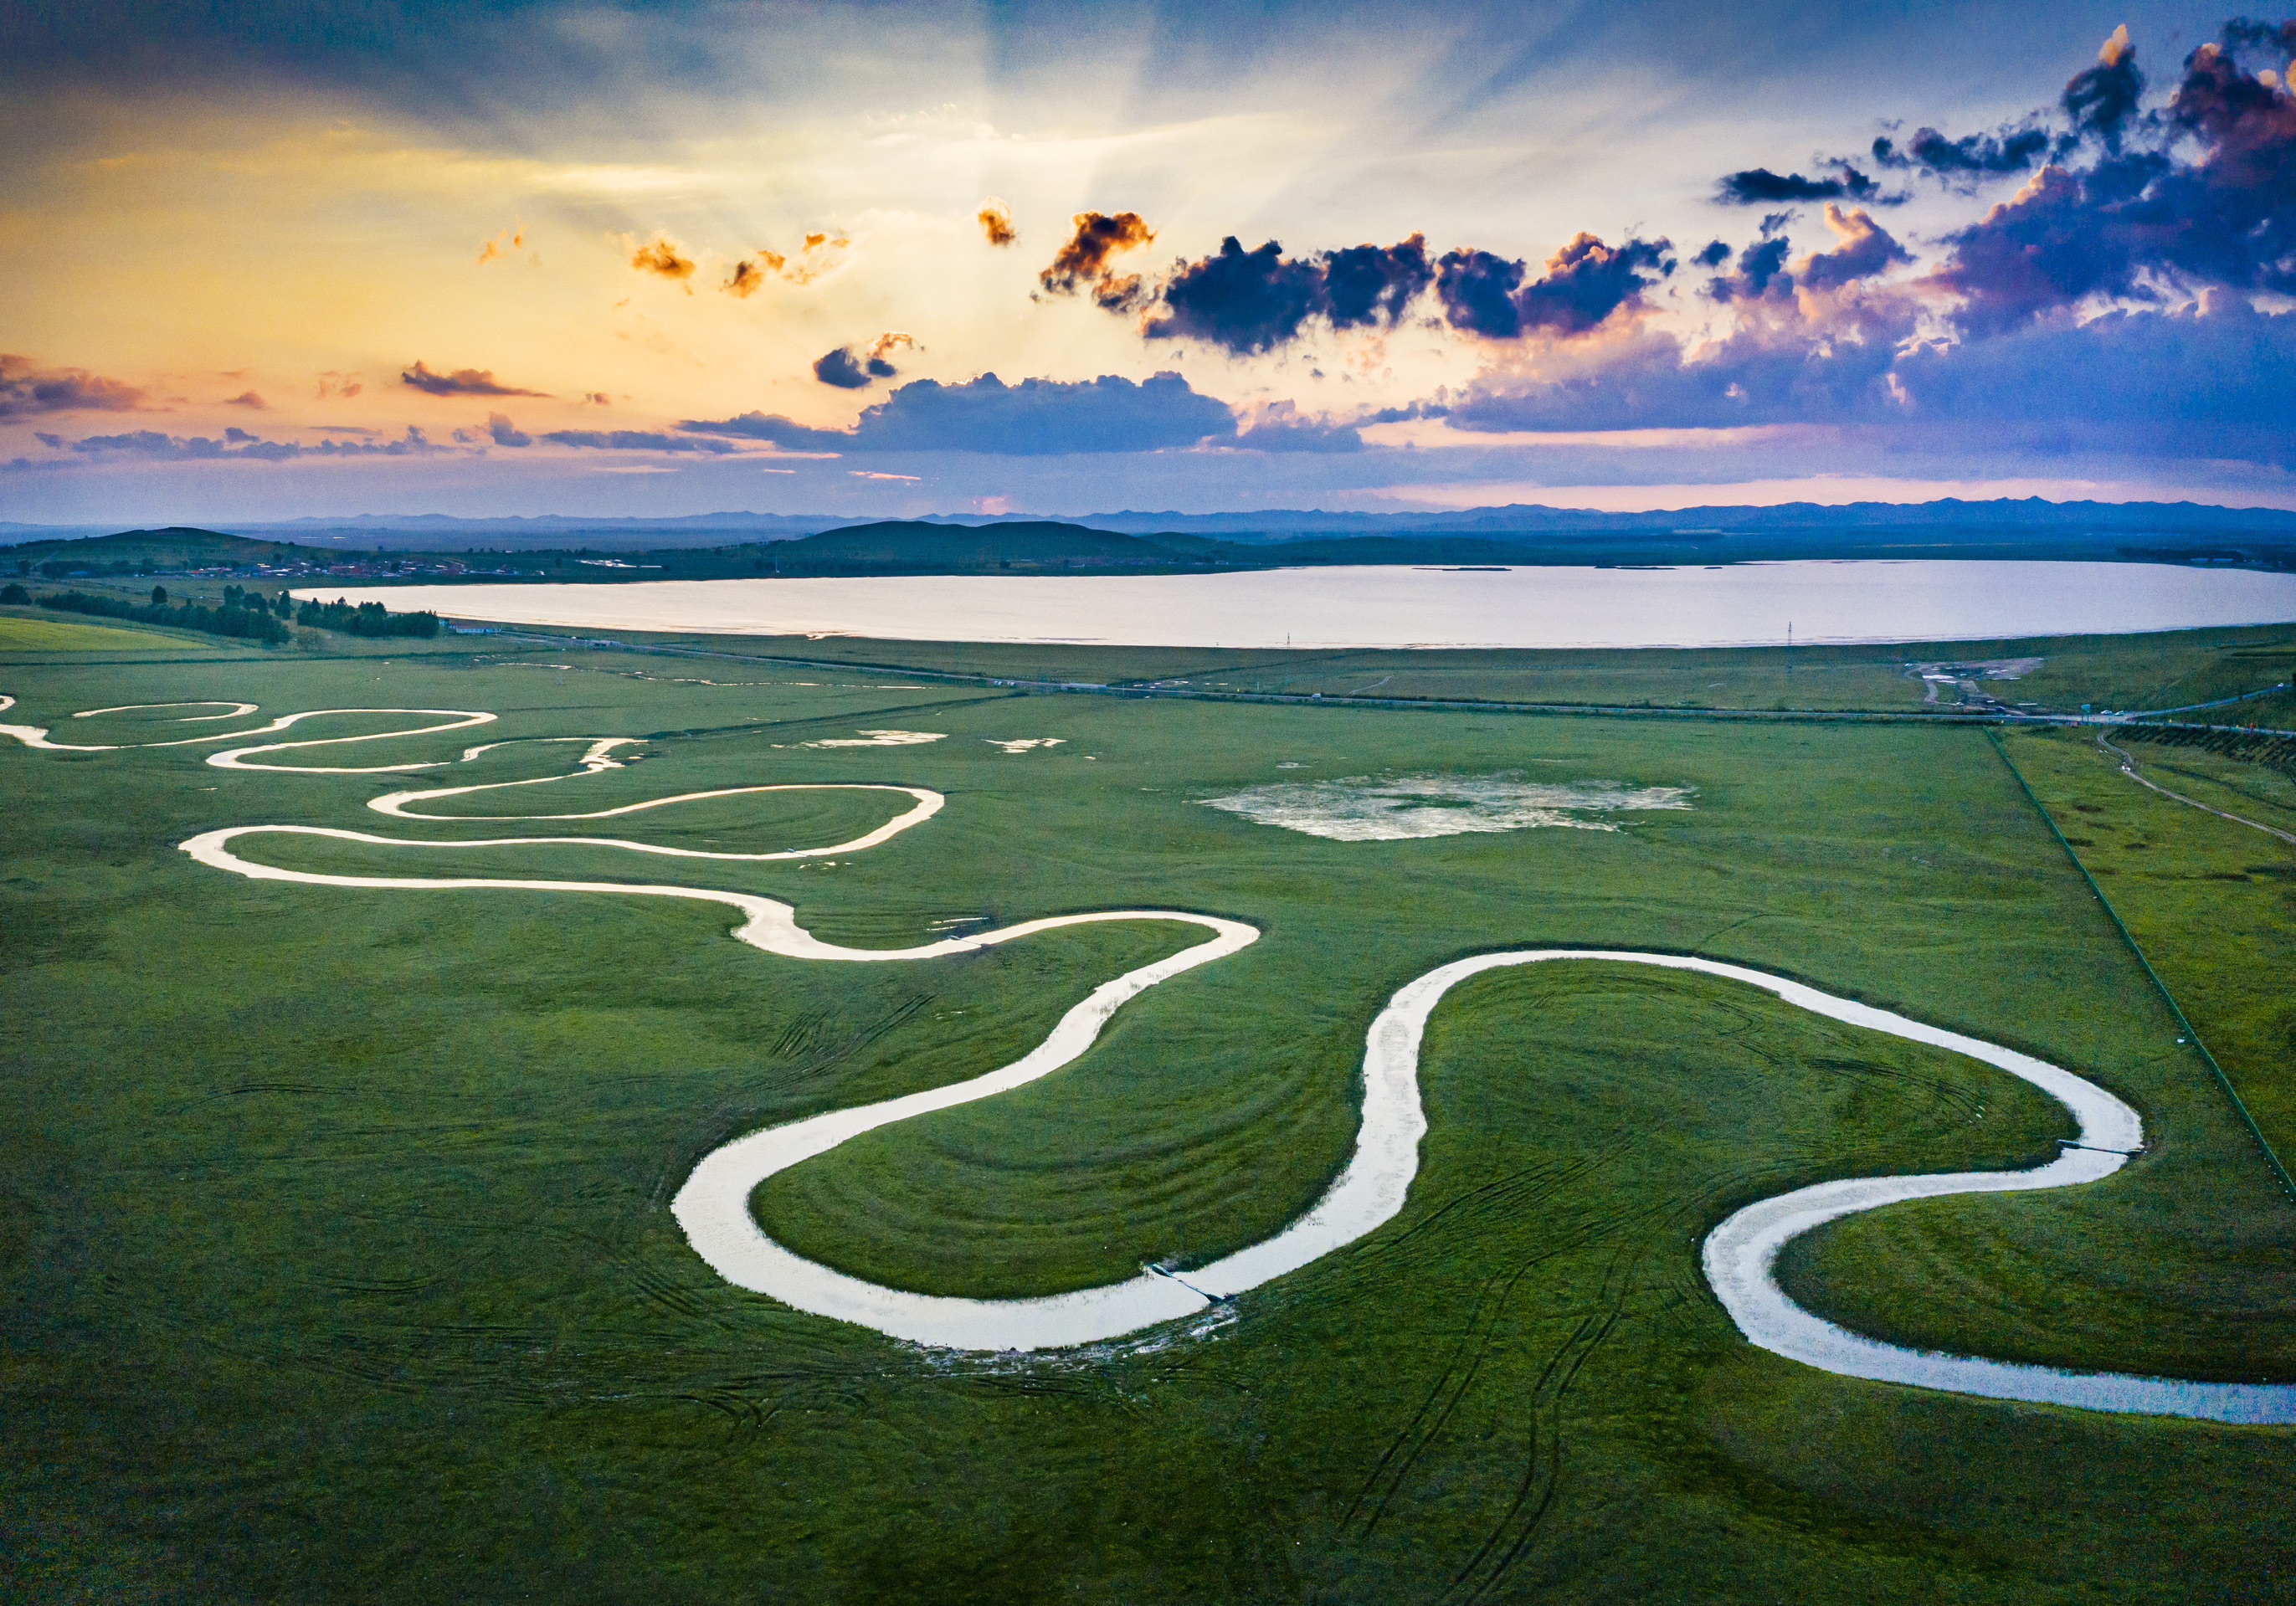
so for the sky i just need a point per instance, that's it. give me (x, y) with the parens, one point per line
(269, 260)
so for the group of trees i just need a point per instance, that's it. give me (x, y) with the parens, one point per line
(368, 618)
(243, 613)
(247, 615)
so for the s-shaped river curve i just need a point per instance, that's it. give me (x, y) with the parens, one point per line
(1739, 1256)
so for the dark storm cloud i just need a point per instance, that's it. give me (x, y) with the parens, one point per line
(844, 368)
(1249, 301)
(1372, 284)
(1244, 300)
(28, 391)
(1758, 186)
(1972, 156)
(1714, 254)
(1761, 271)
(995, 220)
(2100, 101)
(1034, 418)
(461, 381)
(1585, 282)
(857, 367)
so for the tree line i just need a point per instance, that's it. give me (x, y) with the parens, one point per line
(247, 615)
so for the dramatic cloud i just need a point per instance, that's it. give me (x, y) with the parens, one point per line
(1972, 156)
(1585, 283)
(1866, 249)
(1713, 254)
(744, 280)
(505, 433)
(995, 219)
(2100, 101)
(1758, 186)
(1372, 284)
(856, 367)
(1244, 300)
(845, 369)
(461, 381)
(1083, 262)
(662, 259)
(1249, 301)
(1034, 418)
(27, 391)
(2202, 192)
(1762, 271)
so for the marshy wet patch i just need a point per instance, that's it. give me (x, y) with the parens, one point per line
(1388, 808)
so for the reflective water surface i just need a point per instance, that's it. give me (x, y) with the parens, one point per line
(1746, 604)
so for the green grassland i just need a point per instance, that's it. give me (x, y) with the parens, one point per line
(27, 633)
(2165, 670)
(335, 1259)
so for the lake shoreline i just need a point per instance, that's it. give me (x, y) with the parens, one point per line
(1840, 604)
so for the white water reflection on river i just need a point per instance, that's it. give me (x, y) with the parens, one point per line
(1744, 604)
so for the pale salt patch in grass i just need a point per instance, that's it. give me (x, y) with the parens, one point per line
(880, 739)
(1021, 744)
(1364, 809)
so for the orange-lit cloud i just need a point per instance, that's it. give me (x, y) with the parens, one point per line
(820, 254)
(664, 258)
(996, 222)
(1084, 261)
(339, 387)
(461, 381)
(248, 400)
(494, 250)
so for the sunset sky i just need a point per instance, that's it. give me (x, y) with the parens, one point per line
(392, 256)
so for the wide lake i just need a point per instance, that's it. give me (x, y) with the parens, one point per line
(1744, 604)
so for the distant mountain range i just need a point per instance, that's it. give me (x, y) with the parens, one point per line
(711, 544)
(438, 532)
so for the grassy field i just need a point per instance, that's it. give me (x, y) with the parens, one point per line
(2118, 672)
(28, 632)
(335, 1259)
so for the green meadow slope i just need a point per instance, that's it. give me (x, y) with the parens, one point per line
(335, 1259)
